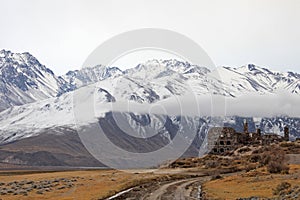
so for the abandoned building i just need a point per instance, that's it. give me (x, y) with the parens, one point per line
(224, 139)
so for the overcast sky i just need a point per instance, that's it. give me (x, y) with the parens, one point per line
(61, 33)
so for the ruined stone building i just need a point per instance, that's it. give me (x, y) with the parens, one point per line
(224, 139)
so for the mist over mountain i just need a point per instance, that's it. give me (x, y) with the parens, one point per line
(167, 97)
(24, 79)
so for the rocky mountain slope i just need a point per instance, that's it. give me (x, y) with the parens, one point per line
(23, 79)
(86, 76)
(122, 99)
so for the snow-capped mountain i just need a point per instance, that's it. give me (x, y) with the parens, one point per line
(90, 75)
(44, 114)
(23, 80)
(50, 108)
(251, 78)
(172, 77)
(154, 82)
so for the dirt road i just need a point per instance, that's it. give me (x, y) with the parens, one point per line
(169, 190)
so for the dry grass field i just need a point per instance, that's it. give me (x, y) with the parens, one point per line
(89, 184)
(258, 183)
(81, 185)
(266, 172)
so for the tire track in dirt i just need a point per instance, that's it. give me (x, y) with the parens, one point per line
(183, 189)
(168, 190)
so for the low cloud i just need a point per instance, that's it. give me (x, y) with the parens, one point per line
(250, 105)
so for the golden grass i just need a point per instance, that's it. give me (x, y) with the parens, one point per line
(93, 184)
(90, 184)
(259, 183)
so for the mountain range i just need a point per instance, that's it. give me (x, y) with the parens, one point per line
(38, 106)
(25, 80)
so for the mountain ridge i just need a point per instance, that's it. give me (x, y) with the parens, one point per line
(24, 79)
(153, 83)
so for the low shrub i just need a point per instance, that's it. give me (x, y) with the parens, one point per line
(250, 167)
(281, 188)
(244, 149)
(216, 176)
(272, 157)
(211, 164)
(255, 158)
(277, 167)
(287, 144)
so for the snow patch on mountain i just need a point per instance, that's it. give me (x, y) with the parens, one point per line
(171, 86)
(24, 80)
(28, 120)
(90, 75)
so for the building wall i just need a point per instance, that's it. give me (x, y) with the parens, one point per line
(224, 139)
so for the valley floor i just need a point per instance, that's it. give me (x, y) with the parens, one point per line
(238, 176)
(170, 184)
(175, 184)
(83, 184)
(256, 183)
